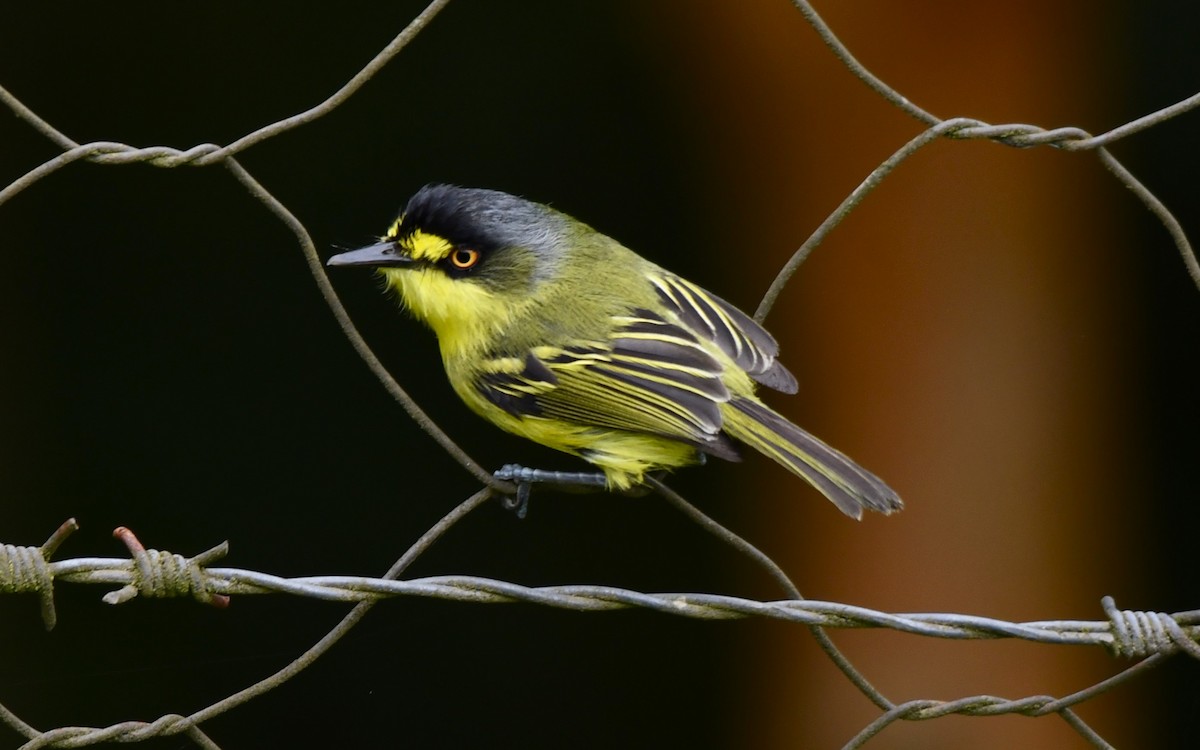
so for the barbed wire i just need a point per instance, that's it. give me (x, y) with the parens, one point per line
(158, 574)
(150, 573)
(1151, 637)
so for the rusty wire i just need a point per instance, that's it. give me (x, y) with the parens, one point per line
(1147, 636)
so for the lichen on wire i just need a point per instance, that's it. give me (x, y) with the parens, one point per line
(1147, 636)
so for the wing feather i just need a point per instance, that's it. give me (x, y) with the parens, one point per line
(736, 333)
(651, 376)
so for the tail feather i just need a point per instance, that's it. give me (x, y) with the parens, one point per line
(848, 485)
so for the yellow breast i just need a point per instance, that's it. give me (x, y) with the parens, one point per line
(464, 316)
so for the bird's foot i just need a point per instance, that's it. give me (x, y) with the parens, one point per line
(525, 478)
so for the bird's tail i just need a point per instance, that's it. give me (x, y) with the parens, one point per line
(848, 485)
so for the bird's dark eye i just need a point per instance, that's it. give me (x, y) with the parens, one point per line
(463, 258)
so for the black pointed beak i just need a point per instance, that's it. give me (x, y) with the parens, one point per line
(382, 255)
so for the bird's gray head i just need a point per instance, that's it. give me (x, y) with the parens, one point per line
(497, 239)
(464, 259)
(487, 219)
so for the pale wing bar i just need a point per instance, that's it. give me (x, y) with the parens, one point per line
(651, 376)
(709, 316)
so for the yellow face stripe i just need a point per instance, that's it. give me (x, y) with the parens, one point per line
(421, 245)
(394, 229)
(425, 246)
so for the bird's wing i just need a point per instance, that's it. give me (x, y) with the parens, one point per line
(650, 376)
(710, 317)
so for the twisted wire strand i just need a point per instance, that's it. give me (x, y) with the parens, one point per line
(206, 154)
(760, 558)
(1148, 636)
(1018, 136)
(119, 571)
(1126, 633)
(125, 731)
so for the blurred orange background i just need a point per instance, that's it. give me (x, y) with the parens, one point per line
(968, 331)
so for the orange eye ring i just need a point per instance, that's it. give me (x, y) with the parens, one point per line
(464, 257)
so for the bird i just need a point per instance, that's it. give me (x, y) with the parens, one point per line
(555, 332)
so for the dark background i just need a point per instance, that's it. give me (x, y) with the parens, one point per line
(167, 364)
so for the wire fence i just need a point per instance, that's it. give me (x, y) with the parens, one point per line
(1149, 637)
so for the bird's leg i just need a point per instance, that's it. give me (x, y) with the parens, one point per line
(525, 478)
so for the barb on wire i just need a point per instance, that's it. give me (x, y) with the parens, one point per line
(1129, 634)
(160, 575)
(1149, 636)
(27, 569)
(133, 572)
